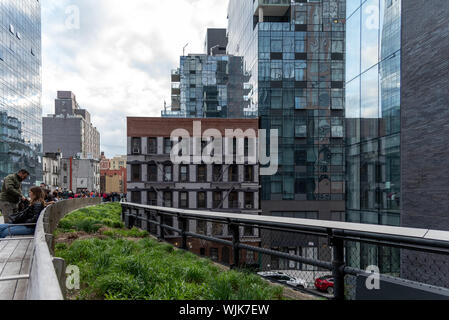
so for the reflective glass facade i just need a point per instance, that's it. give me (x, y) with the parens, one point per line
(373, 76)
(20, 88)
(295, 56)
(208, 86)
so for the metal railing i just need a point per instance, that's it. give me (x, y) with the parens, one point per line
(306, 250)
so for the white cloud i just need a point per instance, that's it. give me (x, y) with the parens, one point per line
(118, 63)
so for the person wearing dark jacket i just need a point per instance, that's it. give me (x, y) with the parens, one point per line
(28, 216)
(11, 193)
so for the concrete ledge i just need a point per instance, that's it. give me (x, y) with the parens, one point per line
(44, 283)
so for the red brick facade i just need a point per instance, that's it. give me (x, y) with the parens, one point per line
(163, 127)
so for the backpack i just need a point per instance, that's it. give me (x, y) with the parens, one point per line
(20, 217)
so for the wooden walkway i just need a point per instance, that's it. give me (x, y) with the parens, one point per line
(15, 261)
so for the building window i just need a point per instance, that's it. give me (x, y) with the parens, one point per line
(202, 200)
(202, 173)
(337, 132)
(201, 227)
(248, 231)
(249, 173)
(168, 199)
(152, 172)
(217, 173)
(136, 197)
(250, 257)
(214, 254)
(136, 173)
(167, 145)
(233, 173)
(152, 145)
(168, 173)
(168, 221)
(136, 146)
(218, 198)
(184, 200)
(152, 198)
(249, 200)
(217, 229)
(184, 173)
(233, 200)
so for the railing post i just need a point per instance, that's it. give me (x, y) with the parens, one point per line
(183, 226)
(338, 264)
(148, 218)
(161, 228)
(235, 230)
(126, 210)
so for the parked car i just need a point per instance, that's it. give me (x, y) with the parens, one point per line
(325, 284)
(283, 278)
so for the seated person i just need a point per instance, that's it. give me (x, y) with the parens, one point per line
(29, 215)
(48, 197)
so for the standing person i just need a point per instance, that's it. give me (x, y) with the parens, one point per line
(28, 216)
(11, 193)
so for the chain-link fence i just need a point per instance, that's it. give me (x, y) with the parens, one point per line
(323, 260)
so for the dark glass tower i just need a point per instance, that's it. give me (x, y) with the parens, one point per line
(20, 88)
(294, 52)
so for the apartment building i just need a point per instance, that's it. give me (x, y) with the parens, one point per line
(153, 179)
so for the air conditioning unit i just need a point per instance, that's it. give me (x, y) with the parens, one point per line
(249, 206)
(136, 151)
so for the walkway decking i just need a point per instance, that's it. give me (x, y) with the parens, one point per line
(15, 261)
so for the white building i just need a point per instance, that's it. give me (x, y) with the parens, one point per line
(51, 165)
(80, 175)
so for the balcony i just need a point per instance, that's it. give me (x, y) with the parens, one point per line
(175, 89)
(175, 76)
(273, 8)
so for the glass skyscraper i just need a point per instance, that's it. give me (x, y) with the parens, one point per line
(20, 88)
(209, 86)
(294, 52)
(373, 123)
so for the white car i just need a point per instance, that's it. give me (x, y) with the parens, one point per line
(283, 278)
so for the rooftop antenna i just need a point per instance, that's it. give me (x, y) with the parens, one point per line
(184, 49)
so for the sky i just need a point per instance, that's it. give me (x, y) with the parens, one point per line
(116, 56)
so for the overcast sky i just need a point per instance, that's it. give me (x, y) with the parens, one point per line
(118, 59)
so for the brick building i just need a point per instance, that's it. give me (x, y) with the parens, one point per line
(153, 179)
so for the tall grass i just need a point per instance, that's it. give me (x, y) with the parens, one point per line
(118, 268)
(92, 219)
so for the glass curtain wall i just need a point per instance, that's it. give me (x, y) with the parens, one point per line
(373, 70)
(20, 89)
(210, 87)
